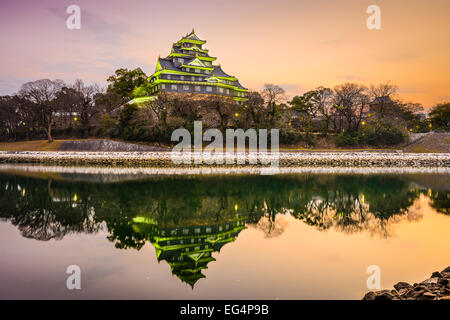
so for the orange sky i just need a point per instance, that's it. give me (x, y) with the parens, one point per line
(297, 44)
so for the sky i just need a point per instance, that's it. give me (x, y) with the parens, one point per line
(297, 44)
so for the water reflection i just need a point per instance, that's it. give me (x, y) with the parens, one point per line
(187, 219)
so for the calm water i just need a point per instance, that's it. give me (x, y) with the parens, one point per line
(256, 237)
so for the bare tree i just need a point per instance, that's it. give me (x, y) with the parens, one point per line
(350, 99)
(43, 93)
(87, 107)
(382, 98)
(224, 110)
(324, 105)
(254, 108)
(273, 95)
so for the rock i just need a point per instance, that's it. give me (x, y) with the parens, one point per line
(369, 296)
(445, 298)
(446, 269)
(404, 291)
(430, 281)
(417, 294)
(436, 275)
(419, 288)
(384, 295)
(443, 282)
(429, 296)
(402, 285)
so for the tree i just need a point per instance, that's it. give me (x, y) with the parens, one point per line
(381, 96)
(124, 81)
(324, 105)
(273, 95)
(254, 110)
(10, 119)
(66, 105)
(440, 117)
(43, 94)
(87, 107)
(350, 99)
(224, 110)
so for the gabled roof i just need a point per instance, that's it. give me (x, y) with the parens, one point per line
(195, 62)
(193, 36)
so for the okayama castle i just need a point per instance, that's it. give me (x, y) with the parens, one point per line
(190, 69)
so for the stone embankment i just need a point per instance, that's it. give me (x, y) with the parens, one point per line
(437, 287)
(286, 160)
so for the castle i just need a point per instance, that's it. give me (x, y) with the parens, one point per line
(190, 69)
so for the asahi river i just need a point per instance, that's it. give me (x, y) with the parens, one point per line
(286, 236)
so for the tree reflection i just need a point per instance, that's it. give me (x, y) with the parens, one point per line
(185, 218)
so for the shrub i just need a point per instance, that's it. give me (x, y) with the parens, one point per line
(383, 135)
(310, 139)
(290, 136)
(347, 139)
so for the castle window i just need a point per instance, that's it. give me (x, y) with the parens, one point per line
(182, 77)
(186, 88)
(180, 60)
(188, 69)
(168, 76)
(163, 86)
(174, 87)
(208, 89)
(221, 90)
(197, 70)
(193, 78)
(228, 91)
(197, 88)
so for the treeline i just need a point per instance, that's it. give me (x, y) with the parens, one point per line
(356, 114)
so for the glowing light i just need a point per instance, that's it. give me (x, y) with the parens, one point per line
(362, 198)
(236, 114)
(75, 198)
(75, 119)
(363, 123)
(235, 207)
(23, 192)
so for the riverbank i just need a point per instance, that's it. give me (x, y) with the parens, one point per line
(437, 287)
(285, 159)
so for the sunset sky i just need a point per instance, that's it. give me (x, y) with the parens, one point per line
(297, 44)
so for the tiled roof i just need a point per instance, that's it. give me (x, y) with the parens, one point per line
(218, 72)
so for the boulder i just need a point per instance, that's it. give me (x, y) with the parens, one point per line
(436, 275)
(402, 285)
